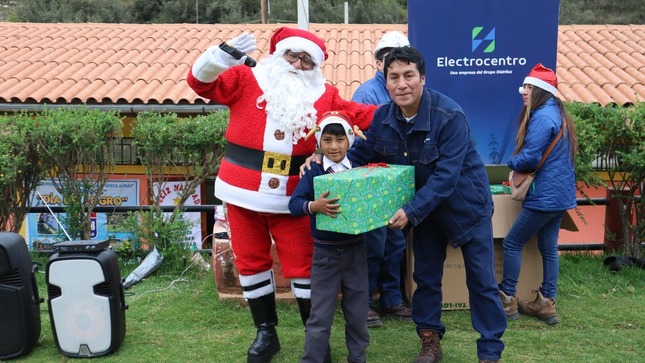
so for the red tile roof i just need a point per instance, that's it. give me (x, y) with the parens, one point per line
(147, 64)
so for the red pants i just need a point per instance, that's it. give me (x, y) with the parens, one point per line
(251, 234)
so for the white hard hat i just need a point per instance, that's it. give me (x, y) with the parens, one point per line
(391, 40)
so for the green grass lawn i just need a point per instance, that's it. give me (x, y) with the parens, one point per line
(178, 318)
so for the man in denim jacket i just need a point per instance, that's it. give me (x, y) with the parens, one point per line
(452, 204)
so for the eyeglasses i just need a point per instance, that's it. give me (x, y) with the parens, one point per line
(305, 62)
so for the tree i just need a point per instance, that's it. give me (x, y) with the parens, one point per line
(184, 149)
(602, 12)
(378, 12)
(613, 140)
(73, 11)
(77, 149)
(623, 151)
(249, 11)
(333, 11)
(20, 169)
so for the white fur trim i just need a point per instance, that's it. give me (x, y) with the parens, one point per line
(280, 191)
(251, 280)
(542, 84)
(251, 199)
(301, 293)
(209, 65)
(298, 44)
(335, 120)
(270, 143)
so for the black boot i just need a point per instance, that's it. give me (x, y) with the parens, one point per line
(304, 305)
(265, 318)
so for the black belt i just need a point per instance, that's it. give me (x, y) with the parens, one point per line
(264, 161)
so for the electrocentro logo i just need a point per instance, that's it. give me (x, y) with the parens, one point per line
(483, 43)
(487, 41)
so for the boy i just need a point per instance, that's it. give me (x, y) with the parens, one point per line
(339, 260)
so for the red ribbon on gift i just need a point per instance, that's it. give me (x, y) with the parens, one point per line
(372, 166)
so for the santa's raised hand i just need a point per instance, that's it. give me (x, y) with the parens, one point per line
(214, 61)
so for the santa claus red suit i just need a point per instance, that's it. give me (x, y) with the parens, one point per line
(272, 107)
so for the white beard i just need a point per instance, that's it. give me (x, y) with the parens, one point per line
(289, 95)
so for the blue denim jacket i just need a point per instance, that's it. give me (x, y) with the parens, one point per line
(451, 181)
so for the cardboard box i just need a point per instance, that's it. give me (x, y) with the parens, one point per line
(455, 292)
(368, 196)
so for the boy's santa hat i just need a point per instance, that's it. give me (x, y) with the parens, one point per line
(336, 117)
(298, 40)
(543, 77)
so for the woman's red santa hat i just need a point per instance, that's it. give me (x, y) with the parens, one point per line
(336, 117)
(543, 77)
(298, 40)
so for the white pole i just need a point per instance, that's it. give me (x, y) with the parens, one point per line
(346, 12)
(303, 14)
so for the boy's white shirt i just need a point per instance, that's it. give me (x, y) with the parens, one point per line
(336, 167)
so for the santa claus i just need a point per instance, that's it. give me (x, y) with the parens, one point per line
(272, 107)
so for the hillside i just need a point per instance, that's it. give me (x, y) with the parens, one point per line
(156, 11)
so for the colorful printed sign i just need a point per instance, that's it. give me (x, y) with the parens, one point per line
(170, 195)
(43, 229)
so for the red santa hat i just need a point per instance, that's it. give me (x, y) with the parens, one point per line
(298, 40)
(543, 77)
(337, 117)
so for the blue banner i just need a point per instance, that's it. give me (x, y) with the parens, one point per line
(478, 52)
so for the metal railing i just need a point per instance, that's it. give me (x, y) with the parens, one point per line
(125, 153)
(211, 208)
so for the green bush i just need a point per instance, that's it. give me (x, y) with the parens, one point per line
(153, 229)
(612, 140)
(20, 169)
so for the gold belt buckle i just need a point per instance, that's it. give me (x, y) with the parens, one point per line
(276, 163)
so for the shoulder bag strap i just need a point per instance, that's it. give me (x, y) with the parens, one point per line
(555, 141)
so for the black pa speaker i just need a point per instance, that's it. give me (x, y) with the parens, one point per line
(86, 302)
(19, 301)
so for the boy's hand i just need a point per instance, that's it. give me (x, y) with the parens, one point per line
(316, 158)
(324, 205)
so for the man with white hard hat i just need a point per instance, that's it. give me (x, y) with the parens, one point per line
(373, 91)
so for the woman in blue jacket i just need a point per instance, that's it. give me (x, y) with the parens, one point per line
(551, 194)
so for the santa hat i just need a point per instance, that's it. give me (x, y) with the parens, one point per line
(337, 117)
(543, 77)
(298, 40)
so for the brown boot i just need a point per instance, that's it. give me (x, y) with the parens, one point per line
(541, 307)
(510, 305)
(430, 348)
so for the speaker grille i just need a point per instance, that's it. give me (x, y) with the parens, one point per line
(104, 289)
(13, 279)
(53, 291)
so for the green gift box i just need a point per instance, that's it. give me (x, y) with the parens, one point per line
(368, 196)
